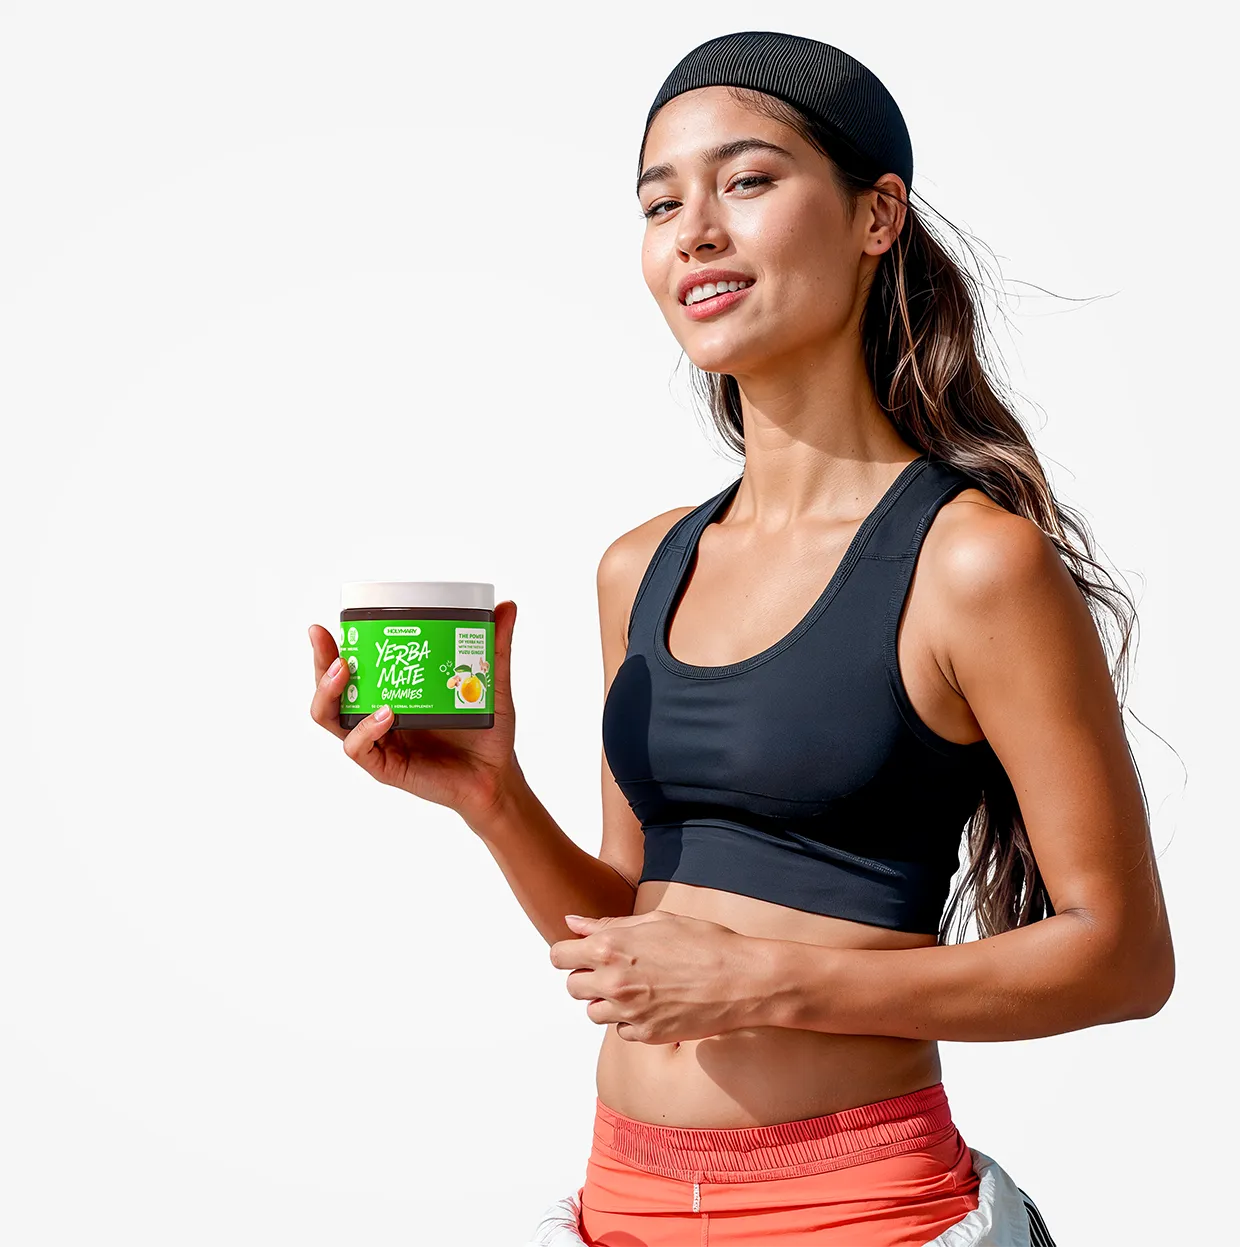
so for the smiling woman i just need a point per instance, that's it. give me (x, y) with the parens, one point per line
(917, 656)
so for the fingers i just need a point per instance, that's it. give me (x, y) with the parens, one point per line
(359, 744)
(505, 618)
(574, 955)
(584, 984)
(331, 675)
(323, 646)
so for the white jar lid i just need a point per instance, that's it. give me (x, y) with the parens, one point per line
(377, 594)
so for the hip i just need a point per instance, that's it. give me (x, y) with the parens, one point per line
(882, 1174)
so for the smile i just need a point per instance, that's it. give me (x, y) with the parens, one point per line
(712, 289)
(713, 304)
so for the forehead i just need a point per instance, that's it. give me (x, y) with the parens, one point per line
(703, 117)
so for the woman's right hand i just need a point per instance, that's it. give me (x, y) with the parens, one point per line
(464, 769)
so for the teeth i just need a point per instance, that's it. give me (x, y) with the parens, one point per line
(708, 291)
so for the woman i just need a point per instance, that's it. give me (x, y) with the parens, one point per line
(877, 637)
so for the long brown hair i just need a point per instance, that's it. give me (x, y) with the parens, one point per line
(925, 343)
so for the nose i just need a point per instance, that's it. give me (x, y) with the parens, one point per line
(698, 228)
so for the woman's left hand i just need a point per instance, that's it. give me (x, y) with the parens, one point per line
(661, 977)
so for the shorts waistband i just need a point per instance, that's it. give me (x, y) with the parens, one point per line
(809, 1145)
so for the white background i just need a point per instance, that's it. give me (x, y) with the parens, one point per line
(295, 294)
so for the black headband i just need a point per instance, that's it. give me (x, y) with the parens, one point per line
(830, 85)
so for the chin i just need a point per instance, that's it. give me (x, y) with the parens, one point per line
(730, 363)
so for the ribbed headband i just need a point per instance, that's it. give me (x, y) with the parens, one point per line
(830, 85)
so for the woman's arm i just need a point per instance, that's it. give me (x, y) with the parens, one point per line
(1016, 640)
(548, 873)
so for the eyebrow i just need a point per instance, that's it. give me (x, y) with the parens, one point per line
(712, 155)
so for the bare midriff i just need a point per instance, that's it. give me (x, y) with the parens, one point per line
(761, 1075)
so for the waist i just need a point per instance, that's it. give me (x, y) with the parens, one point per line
(837, 1140)
(790, 1073)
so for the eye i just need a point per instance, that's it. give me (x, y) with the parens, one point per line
(752, 179)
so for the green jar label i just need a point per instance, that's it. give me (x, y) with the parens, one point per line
(418, 666)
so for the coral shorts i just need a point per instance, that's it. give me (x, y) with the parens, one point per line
(891, 1174)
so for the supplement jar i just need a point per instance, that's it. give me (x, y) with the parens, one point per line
(426, 648)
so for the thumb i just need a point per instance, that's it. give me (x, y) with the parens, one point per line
(576, 922)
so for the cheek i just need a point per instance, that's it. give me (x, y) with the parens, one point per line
(816, 284)
(829, 288)
(654, 262)
(804, 249)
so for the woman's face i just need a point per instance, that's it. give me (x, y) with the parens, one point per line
(772, 213)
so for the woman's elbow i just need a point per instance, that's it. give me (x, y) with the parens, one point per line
(1159, 981)
(1151, 979)
(1132, 972)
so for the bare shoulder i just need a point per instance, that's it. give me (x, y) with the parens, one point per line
(997, 594)
(624, 563)
(978, 551)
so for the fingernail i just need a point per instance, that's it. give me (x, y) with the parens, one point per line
(334, 670)
(383, 714)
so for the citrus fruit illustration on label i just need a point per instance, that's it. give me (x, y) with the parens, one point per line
(469, 687)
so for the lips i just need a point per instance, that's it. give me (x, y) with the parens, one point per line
(708, 276)
(716, 304)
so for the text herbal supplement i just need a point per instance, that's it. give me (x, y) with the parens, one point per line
(426, 648)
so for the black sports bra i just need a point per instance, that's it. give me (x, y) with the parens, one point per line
(802, 775)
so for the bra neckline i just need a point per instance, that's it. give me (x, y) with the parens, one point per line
(689, 556)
